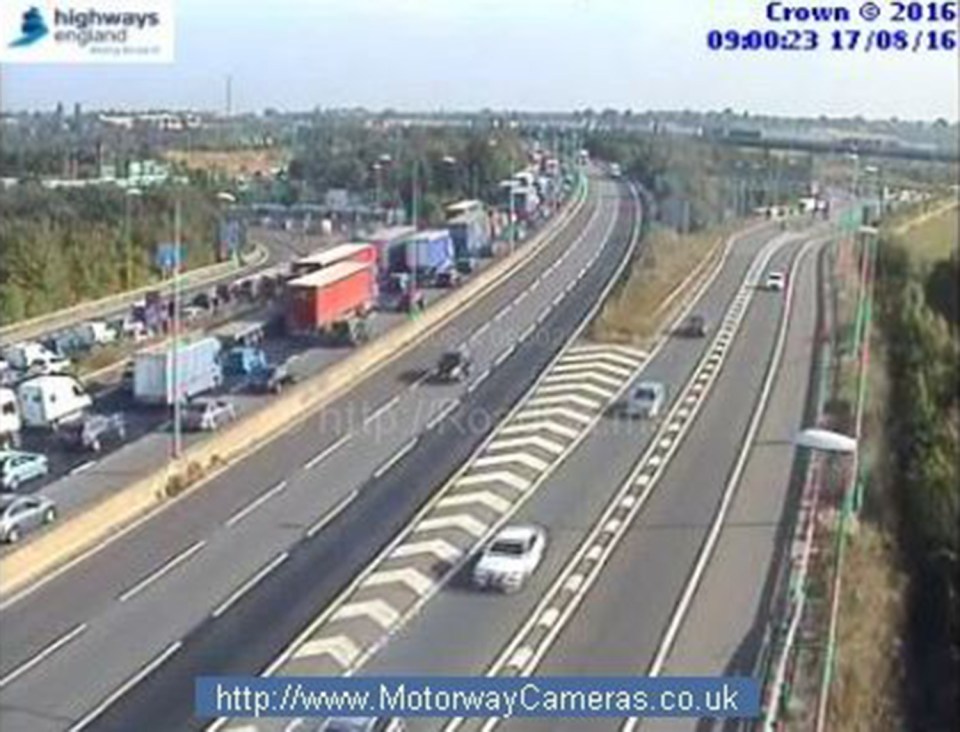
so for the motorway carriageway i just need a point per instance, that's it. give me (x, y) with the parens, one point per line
(195, 569)
(77, 479)
(637, 590)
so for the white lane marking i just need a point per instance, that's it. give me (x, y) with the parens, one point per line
(521, 657)
(598, 365)
(255, 504)
(505, 355)
(327, 452)
(439, 548)
(544, 314)
(381, 410)
(566, 398)
(522, 458)
(484, 498)
(481, 377)
(167, 567)
(495, 476)
(549, 617)
(577, 378)
(544, 425)
(574, 387)
(611, 357)
(527, 332)
(480, 331)
(332, 514)
(127, 685)
(250, 584)
(341, 647)
(442, 414)
(42, 655)
(502, 314)
(548, 412)
(416, 580)
(83, 467)
(541, 442)
(379, 611)
(558, 299)
(520, 298)
(395, 458)
(461, 521)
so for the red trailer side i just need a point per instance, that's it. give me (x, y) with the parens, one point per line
(337, 294)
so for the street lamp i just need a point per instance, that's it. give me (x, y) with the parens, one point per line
(128, 235)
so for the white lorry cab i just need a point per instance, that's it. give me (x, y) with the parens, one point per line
(49, 401)
(9, 419)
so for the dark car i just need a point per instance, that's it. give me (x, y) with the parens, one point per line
(453, 366)
(695, 326)
(271, 379)
(94, 431)
(448, 279)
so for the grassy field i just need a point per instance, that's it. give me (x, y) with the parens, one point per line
(633, 315)
(931, 237)
(231, 163)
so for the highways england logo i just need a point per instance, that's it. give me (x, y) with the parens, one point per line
(136, 31)
(32, 29)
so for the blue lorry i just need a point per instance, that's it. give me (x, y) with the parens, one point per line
(425, 254)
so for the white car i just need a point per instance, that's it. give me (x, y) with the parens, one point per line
(646, 399)
(510, 558)
(776, 281)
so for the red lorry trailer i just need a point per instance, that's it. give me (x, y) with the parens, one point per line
(335, 302)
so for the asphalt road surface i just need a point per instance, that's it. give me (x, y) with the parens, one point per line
(245, 557)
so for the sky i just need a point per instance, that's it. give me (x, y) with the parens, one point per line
(501, 54)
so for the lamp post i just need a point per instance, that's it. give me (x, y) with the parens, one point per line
(128, 236)
(177, 256)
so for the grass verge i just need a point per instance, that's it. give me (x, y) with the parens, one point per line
(635, 313)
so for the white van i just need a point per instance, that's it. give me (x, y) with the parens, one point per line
(95, 333)
(48, 401)
(9, 419)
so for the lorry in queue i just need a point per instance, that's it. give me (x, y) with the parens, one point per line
(472, 238)
(334, 302)
(384, 240)
(350, 252)
(46, 402)
(424, 254)
(164, 374)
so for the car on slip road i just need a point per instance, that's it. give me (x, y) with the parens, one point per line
(776, 281)
(694, 326)
(18, 467)
(22, 514)
(510, 558)
(646, 399)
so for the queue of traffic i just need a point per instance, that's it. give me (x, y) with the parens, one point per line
(326, 298)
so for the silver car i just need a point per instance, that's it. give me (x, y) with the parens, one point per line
(207, 415)
(646, 399)
(22, 514)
